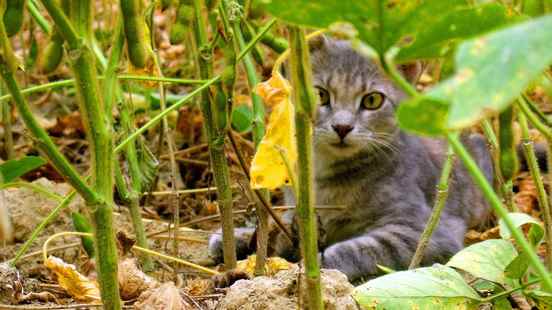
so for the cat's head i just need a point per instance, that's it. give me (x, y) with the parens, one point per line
(357, 102)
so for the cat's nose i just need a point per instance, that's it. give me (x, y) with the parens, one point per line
(342, 130)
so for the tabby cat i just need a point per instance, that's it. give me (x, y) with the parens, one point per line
(382, 178)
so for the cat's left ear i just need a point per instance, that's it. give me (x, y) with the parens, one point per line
(412, 71)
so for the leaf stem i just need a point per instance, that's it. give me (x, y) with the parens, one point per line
(440, 202)
(534, 169)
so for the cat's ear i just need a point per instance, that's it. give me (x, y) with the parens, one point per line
(412, 71)
(318, 43)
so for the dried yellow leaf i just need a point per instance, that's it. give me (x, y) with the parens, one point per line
(268, 169)
(273, 265)
(76, 284)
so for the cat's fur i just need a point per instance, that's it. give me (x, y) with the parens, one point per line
(385, 179)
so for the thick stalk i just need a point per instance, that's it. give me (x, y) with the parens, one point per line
(258, 130)
(532, 163)
(216, 141)
(496, 204)
(305, 103)
(440, 202)
(98, 128)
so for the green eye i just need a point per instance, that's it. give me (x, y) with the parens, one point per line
(324, 96)
(373, 101)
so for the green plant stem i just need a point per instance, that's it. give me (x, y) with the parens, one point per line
(8, 133)
(258, 133)
(49, 218)
(495, 203)
(510, 291)
(305, 106)
(112, 90)
(71, 82)
(534, 168)
(98, 129)
(34, 187)
(493, 142)
(440, 202)
(40, 20)
(215, 139)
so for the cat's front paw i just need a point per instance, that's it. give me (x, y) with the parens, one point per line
(343, 258)
(243, 237)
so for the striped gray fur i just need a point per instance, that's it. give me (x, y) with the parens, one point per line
(385, 179)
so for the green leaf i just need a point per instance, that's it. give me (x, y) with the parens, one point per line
(82, 224)
(486, 260)
(491, 71)
(431, 122)
(536, 232)
(386, 23)
(437, 287)
(459, 24)
(13, 169)
(517, 268)
(380, 23)
(242, 118)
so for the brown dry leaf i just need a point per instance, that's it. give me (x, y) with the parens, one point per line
(526, 198)
(68, 125)
(133, 281)
(198, 286)
(473, 236)
(273, 265)
(164, 297)
(77, 285)
(268, 169)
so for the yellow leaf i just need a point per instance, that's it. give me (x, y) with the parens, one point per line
(268, 170)
(273, 265)
(77, 285)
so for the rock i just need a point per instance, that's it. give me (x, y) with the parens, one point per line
(280, 292)
(28, 208)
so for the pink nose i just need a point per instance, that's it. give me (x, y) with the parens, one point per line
(342, 130)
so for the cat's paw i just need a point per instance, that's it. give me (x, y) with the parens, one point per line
(215, 247)
(243, 237)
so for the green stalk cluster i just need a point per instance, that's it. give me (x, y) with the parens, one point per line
(305, 104)
(133, 15)
(215, 136)
(97, 124)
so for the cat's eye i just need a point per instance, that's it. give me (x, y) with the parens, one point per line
(324, 96)
(373, 101)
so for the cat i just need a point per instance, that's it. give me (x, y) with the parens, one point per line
(382, 178)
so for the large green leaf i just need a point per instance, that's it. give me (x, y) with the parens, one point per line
(492, 70)
(486, 260)
(437, 287)
(452, 26)
(386, 23)
(13, 169)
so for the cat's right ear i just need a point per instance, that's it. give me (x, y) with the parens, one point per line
(317, 43)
